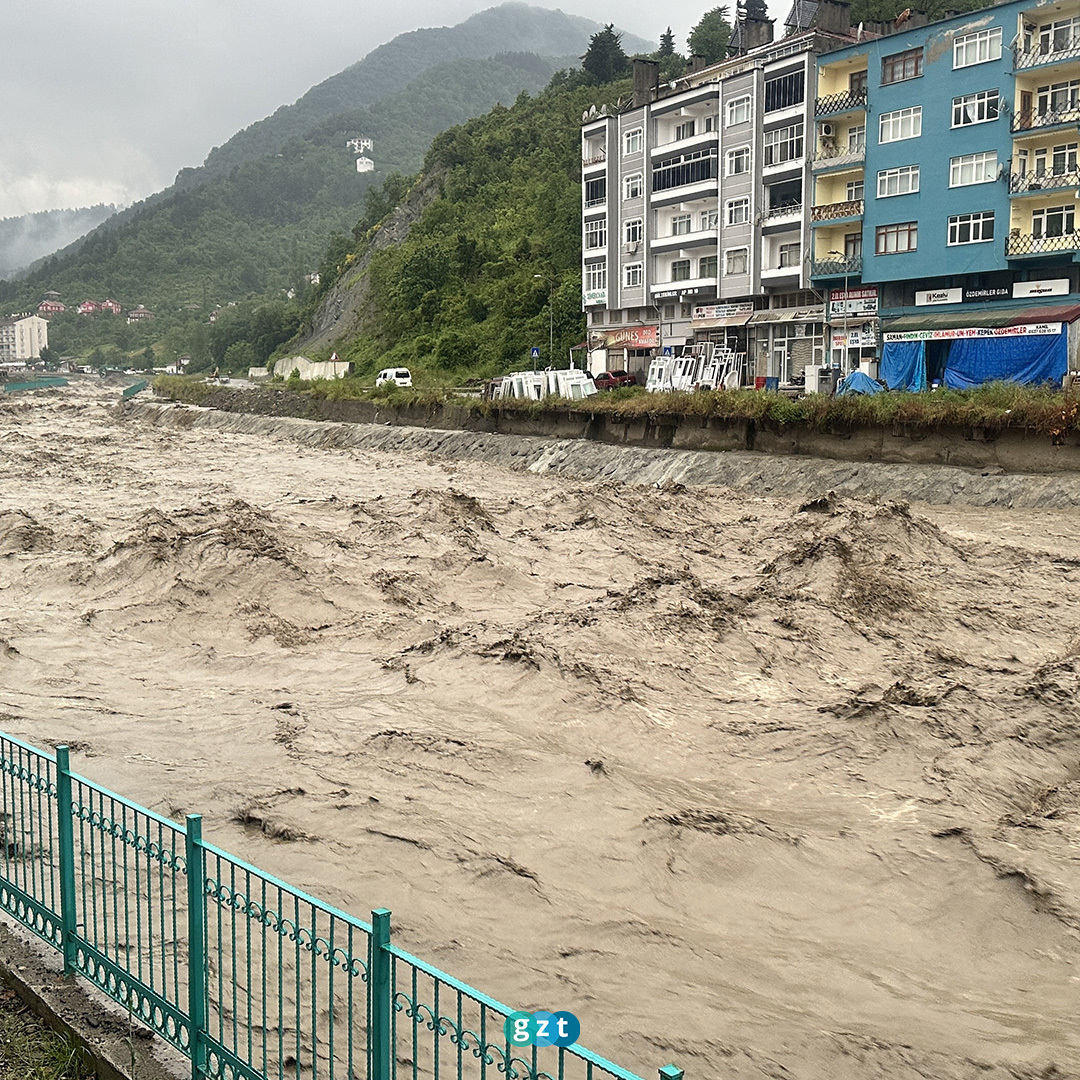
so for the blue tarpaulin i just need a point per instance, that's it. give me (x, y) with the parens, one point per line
(858, 382)
(903, 365)
(1032, 359)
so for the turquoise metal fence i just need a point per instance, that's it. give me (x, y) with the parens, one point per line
(248, 977)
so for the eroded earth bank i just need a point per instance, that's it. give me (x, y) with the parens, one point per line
(766, 786)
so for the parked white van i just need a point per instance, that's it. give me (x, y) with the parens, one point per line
(399, 376)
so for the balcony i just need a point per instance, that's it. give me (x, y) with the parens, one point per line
(776, 214)
(1067, 48)
(849, 267)
(1019, 245)
(598, 158)
(838, 103)
(831, 157)
(833, 211)
(1038, 182)
(1028, 120)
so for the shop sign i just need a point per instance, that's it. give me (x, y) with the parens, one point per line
(669, 295)
(1025, 330)
(722, 311)
(596, 296)
(938, 296)
(1053, 287)
(862, 301)
(975, 295)
(632, 337)
(863, 337)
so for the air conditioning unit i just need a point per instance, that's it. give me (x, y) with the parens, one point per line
(827, 130)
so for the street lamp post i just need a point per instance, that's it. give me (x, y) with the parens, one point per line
(844, 260)
(551, 315)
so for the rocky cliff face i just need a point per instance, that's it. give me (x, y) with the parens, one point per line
(341, 316)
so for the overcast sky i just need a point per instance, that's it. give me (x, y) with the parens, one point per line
(105, 100)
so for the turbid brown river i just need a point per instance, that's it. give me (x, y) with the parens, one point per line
(767, 787)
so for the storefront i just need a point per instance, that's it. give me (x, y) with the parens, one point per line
(853, 329)
(978, 343)
(785, 342)
(627, 348)
(725, 326)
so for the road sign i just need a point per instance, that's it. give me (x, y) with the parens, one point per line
(535, 352)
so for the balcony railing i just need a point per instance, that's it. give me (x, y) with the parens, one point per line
(1027, 119)
(1029, 244)
(828, 155)
(596, 159)
(1020, 183)
(1068, 49)
(775, 212)
(836, 103)
(830, 211)
(836, 267)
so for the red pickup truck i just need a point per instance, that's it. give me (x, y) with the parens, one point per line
(612, 380)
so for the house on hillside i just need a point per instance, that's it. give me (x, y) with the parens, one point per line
(139, 314)
(50, 307)
(88, 307)
(111, 306)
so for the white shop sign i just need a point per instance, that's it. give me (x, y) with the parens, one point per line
(938, 296)
(1053, 287)
(1025, 330)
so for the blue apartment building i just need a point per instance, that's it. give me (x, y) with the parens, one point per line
(945, 197)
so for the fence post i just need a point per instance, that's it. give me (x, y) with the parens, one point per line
(66, 836)
(196, 881)
(382, 1002)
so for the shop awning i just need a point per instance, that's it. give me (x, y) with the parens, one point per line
(976, 316)
(725, 320)
(788, 315)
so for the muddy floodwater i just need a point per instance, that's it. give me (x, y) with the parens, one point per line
(764, 786)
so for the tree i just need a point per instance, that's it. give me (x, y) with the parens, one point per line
(667, 44)
(605, 60)
(709, 39)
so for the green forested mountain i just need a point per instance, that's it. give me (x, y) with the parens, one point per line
(25, 239)
(509, 28)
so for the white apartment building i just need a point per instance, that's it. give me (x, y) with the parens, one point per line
(22, 337)
(695, 214)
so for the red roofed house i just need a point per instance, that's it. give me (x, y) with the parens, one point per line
(50, 307)
(110, 305)
(88, 307)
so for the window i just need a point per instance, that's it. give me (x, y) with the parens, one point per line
(1058, 97)
(685, 169)
(737, 161)
(633, 275)
(1062, 159)
(893, 239)
(633, 187)
(790, 255)
(710, 123)
(595, 277)
(669, 311)
(975, 228)
(783, 144)
(785, 91)
(975, 108)
(977, 48)
(737, 211)
(973, 169)
(633, 141)
(856, 138)
(735, 260)
(596, 191)
(738, 111)
(853, 245)
(680, 270)
(900, 124)
(855, 190)
(684, 130)
(901, 66)
(680, 224)
(707, 266)
(595, 234)
(1053, 221)
(709, 220)
(633, 230)
(857, 82)
(1059, 36)
(901, 181)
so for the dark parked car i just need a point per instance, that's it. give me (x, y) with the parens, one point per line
(611, 380)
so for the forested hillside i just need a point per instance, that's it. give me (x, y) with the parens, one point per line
(25, 239)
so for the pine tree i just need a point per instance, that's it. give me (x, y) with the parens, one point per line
(667, 43)
(605, 60)
(709, 39)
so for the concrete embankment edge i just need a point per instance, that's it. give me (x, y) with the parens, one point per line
(755, 473)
